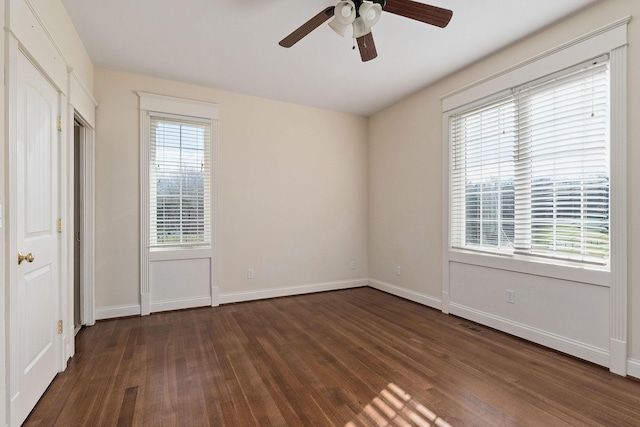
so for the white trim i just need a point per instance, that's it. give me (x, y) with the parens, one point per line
(25, 24)
(4, 284)
(633, 368)
(406, 294)
(87, 252)
(618, 352)
(82, 99)
(291, 290)
(86, 92)
(180, 304)
(215, 291)
(215, 294)
(180, 106)
(145, 306)
(28, 26)
(575, 348)
(11, 220)
(68, 228)
(66, 236)
(42, 24)
(574, 272)
(117, 311)
(134, 310)
(155, 103)
(618, 212)
(563, 56)
(446, 239)
(173, 254)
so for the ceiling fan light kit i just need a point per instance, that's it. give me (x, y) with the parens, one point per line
(364, 14)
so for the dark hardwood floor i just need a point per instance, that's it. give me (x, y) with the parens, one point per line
(346, 358)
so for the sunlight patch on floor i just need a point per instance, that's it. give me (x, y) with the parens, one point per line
(395, 407)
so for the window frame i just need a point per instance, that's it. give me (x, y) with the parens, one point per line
(206, 232)
(166, 106)
(149, 102)
(501, 99)
(496, 120)
(610, 40)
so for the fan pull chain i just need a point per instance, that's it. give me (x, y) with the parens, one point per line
(354, 44)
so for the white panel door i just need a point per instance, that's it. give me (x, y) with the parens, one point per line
(35, 298)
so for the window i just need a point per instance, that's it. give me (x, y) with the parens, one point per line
(178, 148)
(179, 181)
(178, 139)
(530, 169)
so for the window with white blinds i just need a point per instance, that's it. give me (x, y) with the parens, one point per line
(530, 170)
(179, 181)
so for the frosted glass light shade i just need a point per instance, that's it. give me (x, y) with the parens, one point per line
(360, 28)
(337, 27)
(370, 13)
(344, 14)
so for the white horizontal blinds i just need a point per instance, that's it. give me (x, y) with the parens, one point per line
(482, 171)
(530, 172)
(180, 181)
(562, 167)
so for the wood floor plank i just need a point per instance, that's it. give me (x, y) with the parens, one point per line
(128, 407)
(353, 358)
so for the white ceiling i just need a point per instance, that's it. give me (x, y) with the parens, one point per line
(233, 45)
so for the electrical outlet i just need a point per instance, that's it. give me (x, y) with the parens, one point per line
(353, 264)
(250, 273)
(398, 270)
(511, 296)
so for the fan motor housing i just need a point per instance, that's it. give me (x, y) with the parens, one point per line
(358, 3)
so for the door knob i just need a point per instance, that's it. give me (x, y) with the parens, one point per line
(28, 257)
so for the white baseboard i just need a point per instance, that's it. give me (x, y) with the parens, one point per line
(169, 305)
(633, 368)
(117, 311)
(134, 310)
(427, 300)
(215, 296)
(578, 349)
(292, 290)
(618, 356)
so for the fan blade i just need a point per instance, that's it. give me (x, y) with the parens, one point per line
(307, 27)
(420, 12)
(367, 47)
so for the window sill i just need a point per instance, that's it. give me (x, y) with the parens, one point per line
(588, 274)
(167, 254)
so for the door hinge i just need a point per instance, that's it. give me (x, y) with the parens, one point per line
(59, 225)
(59, 326)
(59, 124)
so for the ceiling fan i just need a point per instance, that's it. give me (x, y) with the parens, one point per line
(362, 15)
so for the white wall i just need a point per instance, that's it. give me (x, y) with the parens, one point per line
(3, 238)
(404, 197)
(292, 193)
(405, 223)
